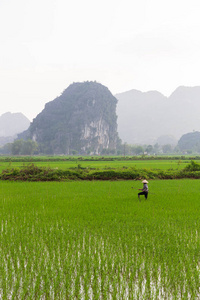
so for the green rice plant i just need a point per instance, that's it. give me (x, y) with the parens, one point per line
(87, 164)
(95, 240)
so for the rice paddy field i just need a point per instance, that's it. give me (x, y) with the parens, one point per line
(96, 240)
(114, 164)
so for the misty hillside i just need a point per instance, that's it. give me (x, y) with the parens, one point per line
(147, 117)
(12, 124)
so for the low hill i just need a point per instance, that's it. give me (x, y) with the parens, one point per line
(190, 141)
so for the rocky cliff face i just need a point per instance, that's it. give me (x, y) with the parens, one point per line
(83, 120)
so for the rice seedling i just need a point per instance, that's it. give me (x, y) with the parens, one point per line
(95, 240)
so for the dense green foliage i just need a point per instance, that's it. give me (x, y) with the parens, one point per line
(193, 166)
(22, 147)
(95, 240)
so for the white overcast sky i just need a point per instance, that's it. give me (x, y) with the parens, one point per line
(45, 45)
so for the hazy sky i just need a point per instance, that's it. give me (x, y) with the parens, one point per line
(45, 45)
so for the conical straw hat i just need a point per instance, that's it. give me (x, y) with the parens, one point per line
(145, 181)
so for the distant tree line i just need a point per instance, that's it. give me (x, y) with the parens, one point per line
(30, 147)
(20, 147)
(127, 149)
(188, 144)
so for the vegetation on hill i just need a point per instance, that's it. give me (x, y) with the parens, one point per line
(82, 120)
(190, 142)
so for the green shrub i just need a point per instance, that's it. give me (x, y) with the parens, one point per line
(193, 166)
(35, 173)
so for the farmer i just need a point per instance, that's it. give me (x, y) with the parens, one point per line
(144, 190)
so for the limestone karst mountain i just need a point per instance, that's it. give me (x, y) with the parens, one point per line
(144, 117)
(82, 120)
(10, 125)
